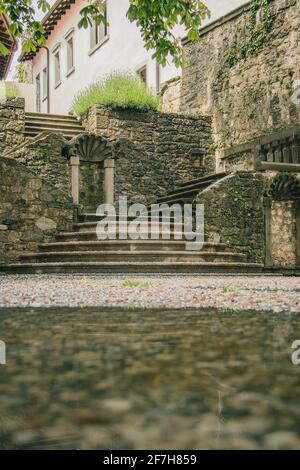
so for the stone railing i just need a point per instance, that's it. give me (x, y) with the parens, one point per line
(277, 151)
(281, 148)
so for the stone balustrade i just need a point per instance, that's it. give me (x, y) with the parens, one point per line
(282, 147)
(279, 151)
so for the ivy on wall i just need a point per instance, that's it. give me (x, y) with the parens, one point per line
(250, 41)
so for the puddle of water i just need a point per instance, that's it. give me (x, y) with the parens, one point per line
(121, 379)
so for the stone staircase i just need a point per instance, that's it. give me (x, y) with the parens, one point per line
(35, 123)
(80, 251)
(187, 191)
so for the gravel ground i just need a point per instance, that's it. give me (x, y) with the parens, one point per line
(269, 293)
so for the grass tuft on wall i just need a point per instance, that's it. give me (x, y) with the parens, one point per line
(118, 90)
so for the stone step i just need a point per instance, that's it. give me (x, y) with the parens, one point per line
(92, 236)
(137, 256)
(50, 117)
(187, 191)
(88, 218)
(54, 125)
(125, 245)
(33, 131)
(197, 187)
(181, 200)
(90, 226)
(133, 268)
(153, 216)
(214, 176)
(179, 196)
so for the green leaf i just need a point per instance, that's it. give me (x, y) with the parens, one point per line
(4, 51)
(193, 35)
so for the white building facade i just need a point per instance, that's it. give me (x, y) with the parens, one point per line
(76, 57)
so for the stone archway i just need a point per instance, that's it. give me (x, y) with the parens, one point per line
(282, 218)
(95, 150)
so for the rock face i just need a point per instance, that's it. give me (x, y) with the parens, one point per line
(12, 122)
(154, 151)
(254, 95)
(31, 210)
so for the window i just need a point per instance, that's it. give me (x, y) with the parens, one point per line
(69, 37)
(57, 79)
(45, 83)
(99, 33)
(70, 55)
(142, 73)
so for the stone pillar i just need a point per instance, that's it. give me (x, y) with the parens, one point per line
(256, 157)
(109, 181)
(75, 162)
(268, 232)
(297, 215)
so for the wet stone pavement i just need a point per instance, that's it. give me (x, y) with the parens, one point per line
(134, 379)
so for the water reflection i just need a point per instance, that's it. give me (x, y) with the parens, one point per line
(121, 379)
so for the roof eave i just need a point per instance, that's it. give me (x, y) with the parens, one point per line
(13, 48)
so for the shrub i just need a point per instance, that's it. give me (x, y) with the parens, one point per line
(8, 90)
(118, 90)
(12, 91)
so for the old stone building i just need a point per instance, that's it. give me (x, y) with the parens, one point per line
(229, 138)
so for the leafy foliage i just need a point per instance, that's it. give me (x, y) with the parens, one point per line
(23, 23)
(118, 90)
(156, 20)
(20, 72)
(255, 36)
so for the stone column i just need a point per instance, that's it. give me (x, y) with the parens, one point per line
(75, 162)
(256, 157)
(297, 215)
(109, 181)
(268, 232)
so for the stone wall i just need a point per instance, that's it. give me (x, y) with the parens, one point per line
(283, 234)
(234, 213)
(12, 123)
(257, 213)
(252, 97)
(43, 156)
(282, 218)
(31, 210)
(170, 95)
(155, 152)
